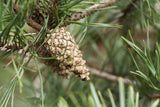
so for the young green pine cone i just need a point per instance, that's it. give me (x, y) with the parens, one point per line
(69, 57)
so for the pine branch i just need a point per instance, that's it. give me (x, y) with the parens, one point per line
(156, 96)
(91, 10)
(125, 17)
(4, 47)
(108, 76)
(30, 22)
(34, 25)
(129, 7)
(24, 62)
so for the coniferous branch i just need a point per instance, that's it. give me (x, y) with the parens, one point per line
(69, 58)
(128, 7)
(18, 65)
(90, 10)
(34, 25)
(97, 6)
(19, 70)
(12, 37)
(75, 17)
(30, 22)
(127, 97)
(6, 47)
(126, 12)
(56, 85)
(108, 76)
(152, 68)
(100, 74)
(156, 96)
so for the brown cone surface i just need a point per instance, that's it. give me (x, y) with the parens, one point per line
(69, 57)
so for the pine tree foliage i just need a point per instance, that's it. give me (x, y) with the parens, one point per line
(115, 41)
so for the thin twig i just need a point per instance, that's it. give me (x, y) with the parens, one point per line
(17, 74)
(29, 34)
(156, 96)
(24, 62)
(4, 47)
(34, 24)
(30, 22)
(129, 7)
(92, 9)
(108, 76)
(8, 64)
(125, 18)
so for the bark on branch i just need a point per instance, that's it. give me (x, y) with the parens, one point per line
(92, 9)
(108, 76)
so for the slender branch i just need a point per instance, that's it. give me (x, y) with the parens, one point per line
(108, 76)
(24, 62)
(99, 74)
(92, 9)
(30, 22)
(33, 24)
(128, 7)
(4, 47)
(156, 96)
(126, 17)
(8, 64)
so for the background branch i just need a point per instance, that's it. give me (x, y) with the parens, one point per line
(128, 7)
(92, 9)
(4, 47)
(33, 24)
(108, 76)
(156, 96)
(30, 22)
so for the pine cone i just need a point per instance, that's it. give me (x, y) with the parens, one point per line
(69, 57)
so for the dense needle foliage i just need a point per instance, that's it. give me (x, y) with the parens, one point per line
(119, 42)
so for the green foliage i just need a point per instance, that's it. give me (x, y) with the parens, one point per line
(12, 25)
(95, 99)
(147, 69)
(99, 37)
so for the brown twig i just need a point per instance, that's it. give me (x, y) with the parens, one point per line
(30, 22)
(126, 17)
(108, 76)
(4, 47)
(24, 62)
(156, 96)
(79, 15)
(33, 24)
(8, 64)
(129, 7)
